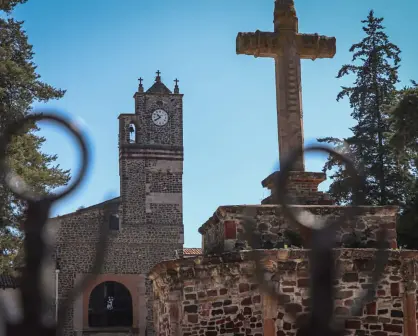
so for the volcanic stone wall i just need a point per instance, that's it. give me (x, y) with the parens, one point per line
(132, 251)
(223, 232)
(218, 295)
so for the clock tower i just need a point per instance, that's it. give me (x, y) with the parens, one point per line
(151, 171)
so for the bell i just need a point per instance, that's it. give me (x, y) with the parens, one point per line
(131, 129)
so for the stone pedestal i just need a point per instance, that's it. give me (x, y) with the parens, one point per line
(223, 232)
(302, 188)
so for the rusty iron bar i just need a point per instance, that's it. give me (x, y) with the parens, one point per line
(32, 299)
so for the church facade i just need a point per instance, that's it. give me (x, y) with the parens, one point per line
(145, 222)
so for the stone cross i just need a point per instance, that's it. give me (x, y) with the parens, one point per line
(287, 47)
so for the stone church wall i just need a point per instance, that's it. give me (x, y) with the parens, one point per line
(223, 232)
(75, 250)
(132, 253)
(217, 295)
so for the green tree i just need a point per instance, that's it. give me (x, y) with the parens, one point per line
(20, 87)
(374, 65)
(404, 126)
(404, 141)
(8, 5)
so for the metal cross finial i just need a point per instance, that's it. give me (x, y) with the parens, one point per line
(176, 87)
(158, 73)
(140, 80)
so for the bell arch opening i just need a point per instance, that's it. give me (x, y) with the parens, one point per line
(110, 305)
(132, 132)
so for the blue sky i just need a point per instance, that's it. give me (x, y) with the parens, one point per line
(96, 50)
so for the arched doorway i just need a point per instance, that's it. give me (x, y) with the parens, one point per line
(110, 305)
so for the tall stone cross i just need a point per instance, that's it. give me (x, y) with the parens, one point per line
(287, 47)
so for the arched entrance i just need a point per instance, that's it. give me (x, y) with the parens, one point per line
(110, 305)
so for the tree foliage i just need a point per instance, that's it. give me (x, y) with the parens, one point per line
(404, 126)
(374, 65)
(404, 141)
(20, 87)
(383, 143)
(8, 5)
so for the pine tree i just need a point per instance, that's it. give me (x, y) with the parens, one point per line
(404, 126)
(8, 5)
(20, 87)
(375, 66)
(404, 141)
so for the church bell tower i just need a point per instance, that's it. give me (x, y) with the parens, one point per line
(151, 168)
(151, 174)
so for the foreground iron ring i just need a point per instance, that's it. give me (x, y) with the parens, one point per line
(283, 179)
(35, 246)
(15, 183)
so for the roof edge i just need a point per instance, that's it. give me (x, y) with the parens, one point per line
(91, 207)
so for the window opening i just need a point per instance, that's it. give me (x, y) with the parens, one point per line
(114, 222)
(132, 133)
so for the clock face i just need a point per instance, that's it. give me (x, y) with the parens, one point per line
(159, 117)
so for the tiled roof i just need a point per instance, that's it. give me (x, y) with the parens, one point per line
(192, 251)
(7, 281)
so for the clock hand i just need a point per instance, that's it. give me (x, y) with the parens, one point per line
(158, 117)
